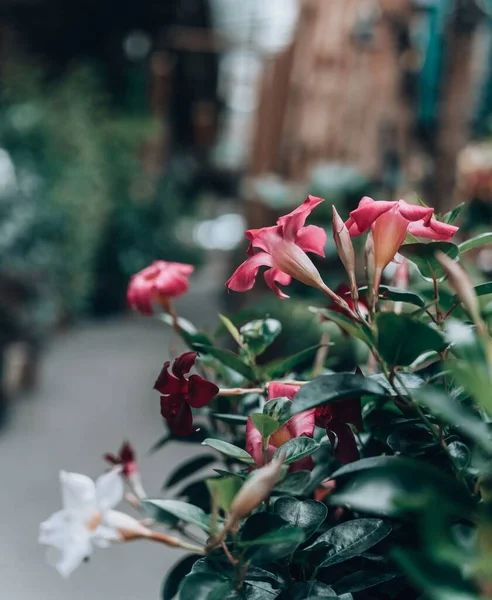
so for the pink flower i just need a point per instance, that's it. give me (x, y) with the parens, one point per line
(156, 284)
(301, 424)
(180, 394)
(390, 222)
(125, 458)
(283, 249)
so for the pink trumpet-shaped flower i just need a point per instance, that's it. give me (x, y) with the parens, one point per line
(283, 249)
(301, 424)
(156, 284)
(390, 222)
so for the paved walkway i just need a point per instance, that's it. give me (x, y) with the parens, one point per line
(96, 390)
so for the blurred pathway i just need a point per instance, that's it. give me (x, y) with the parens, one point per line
(96, 390)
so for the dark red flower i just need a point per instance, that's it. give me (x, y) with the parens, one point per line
(156, 284)
(336, 419)
(180, 394)
(125, 458)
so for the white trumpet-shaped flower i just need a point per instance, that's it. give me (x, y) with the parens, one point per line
(87, 520)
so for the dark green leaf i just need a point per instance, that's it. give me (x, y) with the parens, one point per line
(362, 580)
(278, 408)
(424, 256)
(440, 581)
(402, 339)
(350, 539)
(404, 383)
(294, 483)
(230, 419)
(460, 454)
(229, 450)
(450, 411)
(328, 389)
(306, 514)
(176, 576)
(285, 365)
(483, 289)
(395, 486)
(311, 589)
(262, 535)
(360, 331)
(264, 424)
(188, 468)
(259, 334)
(297, 448)
(411, 440)
(480, 240)
(283, 535)
(205, 586)
(229, 359)
(231, 328)
(182, 511)
(398, 295)
(451, 216)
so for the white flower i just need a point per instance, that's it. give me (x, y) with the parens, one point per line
(87, 520)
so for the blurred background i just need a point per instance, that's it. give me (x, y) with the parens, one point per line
(159, 129)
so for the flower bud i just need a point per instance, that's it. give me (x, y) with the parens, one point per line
(256, 489)
(345, 249)
(460, 282)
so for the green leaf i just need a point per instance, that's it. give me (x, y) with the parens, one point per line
(229, 450)
(404, 383)
(264, 424)
(397, 295)
(460, 453)
(362, 580)
(278, 409)
(229, 359)
(294, 483)
(176, 575)
(360, 331)
(480, 240)
(230, 419)
(451, 216)
(224, 489)
(328, 389)
(305, 514)
(286, 365)
(450, 411)
(305, 590)
(401, 339)
(396, 486)
(424, 256)
(283, 535)
(297, 448)
(205, 586)
(411, 440)
(259, 334)
(482, 289)
(231, 328)
(188, 468)
(439, 581)
(182, 511)
(349, 539)
(188, 332)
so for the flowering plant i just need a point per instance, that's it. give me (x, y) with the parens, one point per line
(368, 484)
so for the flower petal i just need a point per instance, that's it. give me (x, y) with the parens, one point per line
(254, 443)
(254, 234)
(435, 230)
(413, 212)
(116, 521)
(345, 446)
(244, 276)
(302, 424)
(312, 239)
(277, 389)
(273, 276)
(200, 391)
(366, 213)
(109, 489)
(67, 559)
(166, 383)
(78, 492)
(292, 223)
(183, 364)
(177, 414)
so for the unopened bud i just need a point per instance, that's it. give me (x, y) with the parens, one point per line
(345, 249)
(256, 489)
(373, 278)
(461, 283)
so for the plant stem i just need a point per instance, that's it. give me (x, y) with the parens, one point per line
(239, 391)
(321, 354)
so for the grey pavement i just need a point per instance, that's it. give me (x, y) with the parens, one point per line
(96, 390)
